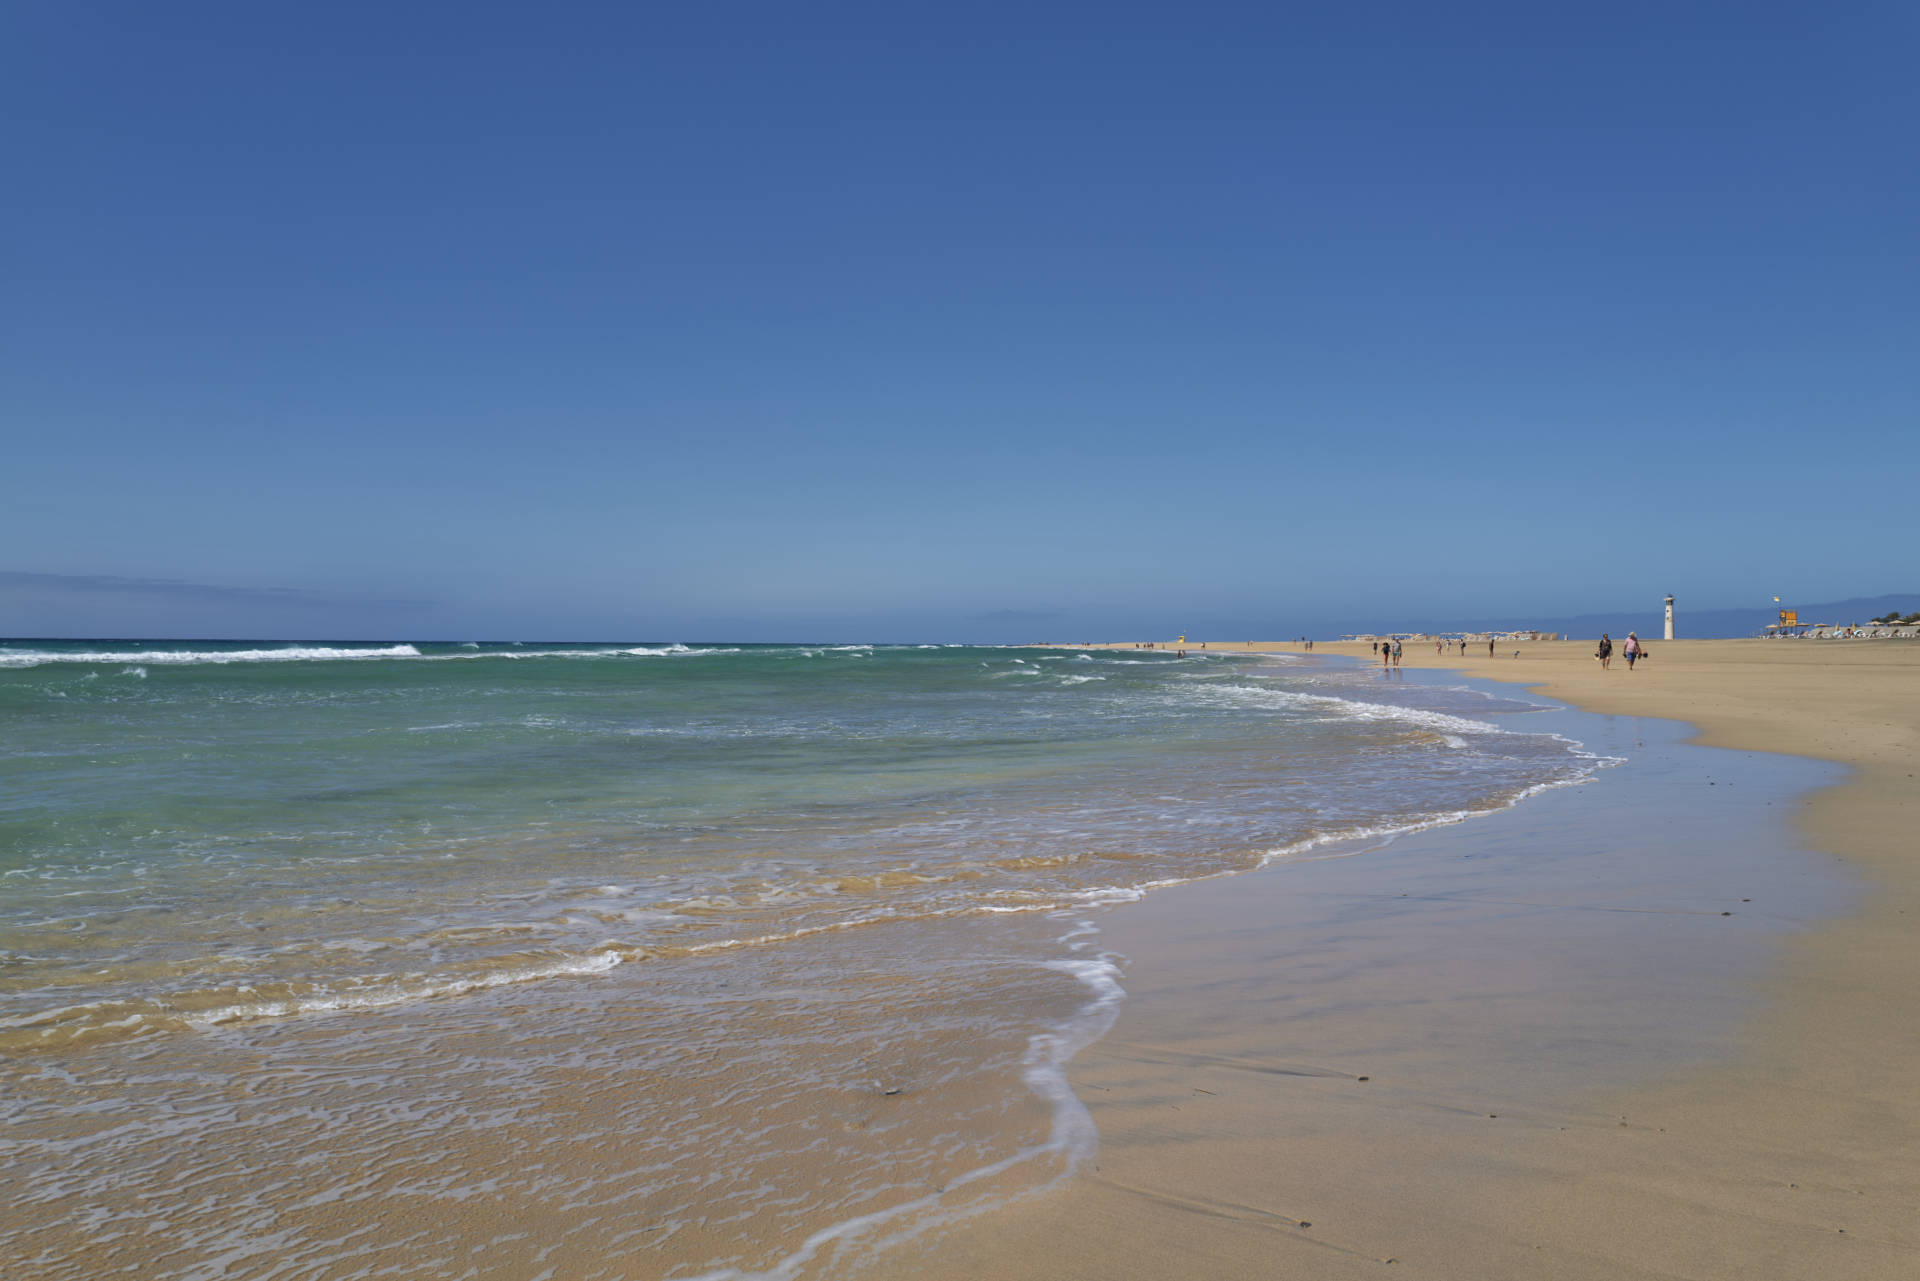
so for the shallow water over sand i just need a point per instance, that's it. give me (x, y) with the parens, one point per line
(1448, 1049)
(291, 994)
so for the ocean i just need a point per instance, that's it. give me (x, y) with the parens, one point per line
(339, 959)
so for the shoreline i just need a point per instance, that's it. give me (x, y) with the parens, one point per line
(716, 1104)
(1788, 1150)
(1420, 1047)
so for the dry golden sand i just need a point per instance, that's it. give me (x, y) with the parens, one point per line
(1795, 1154)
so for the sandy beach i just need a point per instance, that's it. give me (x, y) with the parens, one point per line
(1661, 1026)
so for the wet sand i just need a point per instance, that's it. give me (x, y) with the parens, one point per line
(1661, 1026)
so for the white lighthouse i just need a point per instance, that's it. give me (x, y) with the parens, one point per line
(1669, 618)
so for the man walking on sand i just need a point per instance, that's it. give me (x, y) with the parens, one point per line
(1631, 649)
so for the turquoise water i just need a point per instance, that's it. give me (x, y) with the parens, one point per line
(621, 960)
(193, 833)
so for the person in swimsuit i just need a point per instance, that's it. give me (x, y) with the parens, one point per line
(1605, 652)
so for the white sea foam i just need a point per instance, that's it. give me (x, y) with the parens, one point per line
(1072, 1137)
(1366, 838)
(176, 658)
(633, 651)
(1108, 895)
(1335, 708)
(469, 652)
(406, 990)
(402, 993)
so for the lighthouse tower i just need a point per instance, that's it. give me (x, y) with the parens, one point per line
(1669, 618)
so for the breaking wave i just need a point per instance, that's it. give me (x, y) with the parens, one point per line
(184, 657)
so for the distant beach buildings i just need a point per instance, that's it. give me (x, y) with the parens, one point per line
(1843, 631)
(1890, 626)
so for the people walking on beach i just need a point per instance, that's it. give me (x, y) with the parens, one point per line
(1605, 652)
(1396, 653)
(1489, 647)
(1376, 647)
(1631, 649)
(1386, 653)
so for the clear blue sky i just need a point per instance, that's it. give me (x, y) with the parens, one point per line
(966, 321)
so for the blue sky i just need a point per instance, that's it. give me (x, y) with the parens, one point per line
(968, 322)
